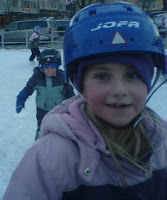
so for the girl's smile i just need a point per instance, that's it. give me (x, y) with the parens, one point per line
(114, 92)
(118, 106)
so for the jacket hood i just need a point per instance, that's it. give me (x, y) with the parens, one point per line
(38, 72)
(69, 120)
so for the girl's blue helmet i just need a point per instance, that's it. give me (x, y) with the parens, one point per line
(104, 29)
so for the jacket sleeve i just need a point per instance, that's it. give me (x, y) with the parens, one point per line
(33, 36)
(69, 92)
(42, 37)
(28, 89)
(30, 180)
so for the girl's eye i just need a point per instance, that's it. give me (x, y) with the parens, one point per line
(102, 76)
(133, 75)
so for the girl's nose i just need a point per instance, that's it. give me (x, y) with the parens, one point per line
(118, 88)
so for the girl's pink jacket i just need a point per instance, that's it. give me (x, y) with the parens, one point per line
(71, 154)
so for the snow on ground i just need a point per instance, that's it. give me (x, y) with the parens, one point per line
(17, 131)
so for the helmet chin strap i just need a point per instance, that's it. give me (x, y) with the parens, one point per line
(158, 74)
(77, 90)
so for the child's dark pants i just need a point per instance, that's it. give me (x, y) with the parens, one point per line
(40, 114)
(34, 52)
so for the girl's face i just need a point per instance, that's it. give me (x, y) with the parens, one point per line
(114, 92)
(50, 71)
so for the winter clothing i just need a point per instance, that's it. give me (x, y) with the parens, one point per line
(52, 64)
(19, 106)
(50, 91)
(51, 56)
(136, 60)
(111, 30)
(34, 44)
(20, 101)
(35, 52)
(71, 162)
(37, 28)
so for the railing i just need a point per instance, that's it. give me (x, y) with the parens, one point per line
(52, 43)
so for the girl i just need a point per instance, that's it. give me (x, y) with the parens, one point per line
(104, 143)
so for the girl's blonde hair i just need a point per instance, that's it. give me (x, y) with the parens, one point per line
(131, 145)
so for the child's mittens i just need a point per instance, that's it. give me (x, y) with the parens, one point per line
(19, 105)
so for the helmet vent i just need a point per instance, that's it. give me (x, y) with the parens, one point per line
(76, 19)
(75, 45)
(128, 8)
(92, 12)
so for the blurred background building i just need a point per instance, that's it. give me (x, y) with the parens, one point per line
(14, 10)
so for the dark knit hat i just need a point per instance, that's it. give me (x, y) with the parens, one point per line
(49, 64)
(141, 62)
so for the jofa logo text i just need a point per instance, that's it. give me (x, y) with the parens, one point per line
(116, 24)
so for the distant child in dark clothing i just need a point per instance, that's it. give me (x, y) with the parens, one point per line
(48, 81)
(34, 42)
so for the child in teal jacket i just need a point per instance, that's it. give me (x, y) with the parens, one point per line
(48, 81)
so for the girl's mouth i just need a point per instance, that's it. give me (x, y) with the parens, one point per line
(117, 105)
